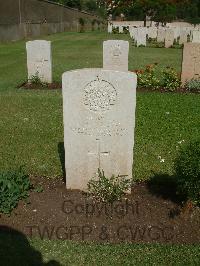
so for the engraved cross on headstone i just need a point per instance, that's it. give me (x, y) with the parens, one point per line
(99, 153)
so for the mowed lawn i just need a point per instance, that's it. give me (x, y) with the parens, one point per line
(31, 126)
(31, 132)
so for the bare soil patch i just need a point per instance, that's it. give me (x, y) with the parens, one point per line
(151, 214)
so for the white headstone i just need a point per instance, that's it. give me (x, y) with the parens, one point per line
(99, 120)
(152, 32)
(133, 32)
(121, 29)
(183, 37)
(39, 62)
(161, 35)
(177, 32)
(141, 36)
(196, 36)
(110, 27)
(169, 38)
(115, 55)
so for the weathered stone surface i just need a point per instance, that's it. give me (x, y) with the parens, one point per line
(141, 36)
(169, 38)
(99, 120)
(152, 32)
(177, 32)
(133, 32)
(183, 37)
(191, 62)
(121, 29)
(196, 36)
(110, 27)
(161, 35)
(39, 62)
(115, 55)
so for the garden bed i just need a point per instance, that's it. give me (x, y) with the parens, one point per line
(152, 213)
(58, 86)
(40, 86)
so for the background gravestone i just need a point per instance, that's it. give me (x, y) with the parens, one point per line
(133, 32)
(169, 38)
(39, 62)
(110, 28)
(141, 36)
(196, 36)
(115, 55)
(152, 32)
(161, 35)
(191, 62)
(99, 120)
(183, 37)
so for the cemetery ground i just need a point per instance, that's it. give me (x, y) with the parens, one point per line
(31, 130)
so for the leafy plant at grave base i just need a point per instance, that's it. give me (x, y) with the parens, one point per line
(82, 25)
(193, 85)
(14, 186)
(187, 169)
(147, 78)
(39, 189)
(152, 40)
(125, 30)
(159, 45)
(36, 81)
(171, 80)
(115, 30)
(108, 189)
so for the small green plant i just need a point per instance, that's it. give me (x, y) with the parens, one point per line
(35, 80)
(125, 30)
(108, 189)
(147, 78)
(193, 85)
(171, 80)
(187, 169)
(115, 30)
(14, 186)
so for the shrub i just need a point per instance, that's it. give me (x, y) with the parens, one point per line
(115, 30)
(108, 189)
(14, 186)
(93, 24)
(147, 78)
(82, 25)
(187, 169)
(193, 85)
(171, 80)
(35, 80)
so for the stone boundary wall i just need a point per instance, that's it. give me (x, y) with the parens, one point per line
(21, 19)
(150, 24)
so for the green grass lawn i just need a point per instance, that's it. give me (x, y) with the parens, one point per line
(31, 124)
(38, 253)
(31, 129)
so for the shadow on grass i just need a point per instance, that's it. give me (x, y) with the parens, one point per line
(61, 152)
(164, 186)
(15, 250)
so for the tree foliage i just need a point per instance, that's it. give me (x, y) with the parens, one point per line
(159, 10)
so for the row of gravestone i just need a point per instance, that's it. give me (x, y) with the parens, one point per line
(39, 58)
(115, 57)
(161, 34)
(98, 110)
